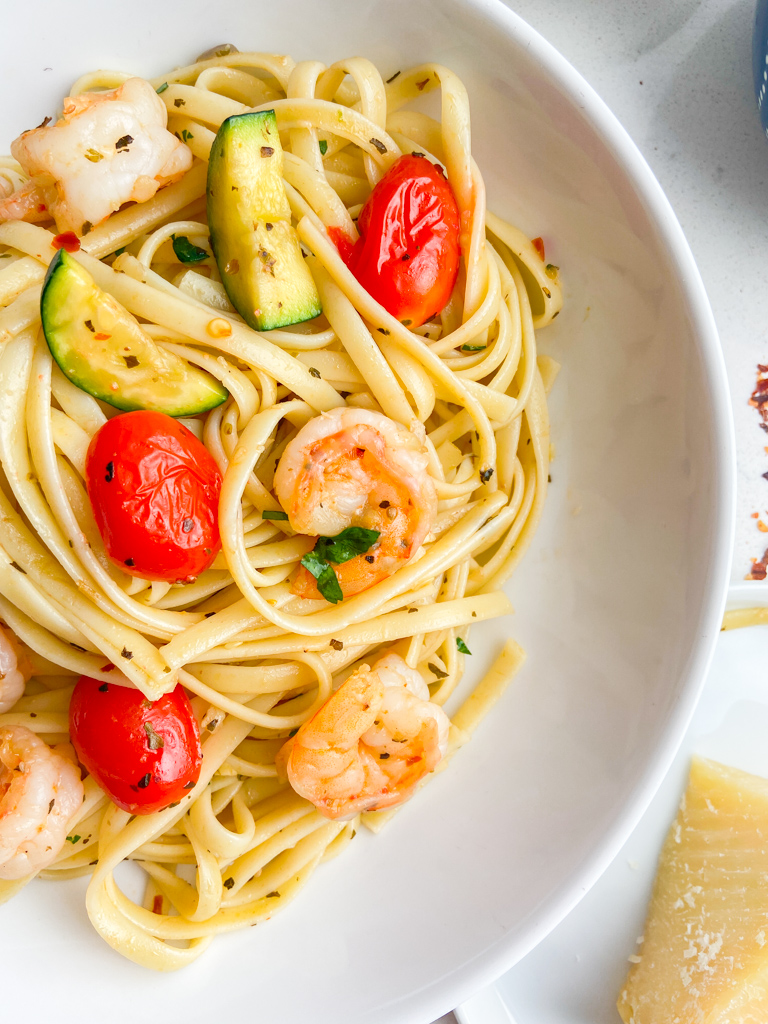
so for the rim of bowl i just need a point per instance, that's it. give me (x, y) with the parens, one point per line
(450, 990)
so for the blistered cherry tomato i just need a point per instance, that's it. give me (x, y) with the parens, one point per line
(407, 256)
(145, 755)
(154, 489)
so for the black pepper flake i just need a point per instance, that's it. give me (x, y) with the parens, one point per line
(549, 479)
(486, 475)
(393, 77)
(420, 85)
(412, 610)
(33, 714)
(272, 895)
(406, 323)
(110, 475)
(187, 525)
(45, 122)
(189, 785)
(378, 145)
(337, 645)
(144, 781)
(437, 671)
(124, 142)
(313, 372)
(50, 806)
(89, 325)
(268, 260)
(382, 330)
(370, 559)
(267, 151)
(179, 102)
(87, 226)
(131, 361)
(17, 567)
(209, 614)
(104, 687)
(416, 153)
(268, 226)
(383, 757)
(129, 562)
(229, 883)
(125, 653)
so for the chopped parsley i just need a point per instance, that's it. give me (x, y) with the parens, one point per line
(473, 348)
(185, 251)
(323, 144)
(161, 88)
(154, 742)
(274, 513)
(353, 541)
(74, 839)
(462, 646)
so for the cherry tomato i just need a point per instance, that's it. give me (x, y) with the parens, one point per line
(154, 489)
(144, 755)
(407, 257)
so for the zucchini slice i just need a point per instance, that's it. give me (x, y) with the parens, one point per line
(102, 349)
(256, 247)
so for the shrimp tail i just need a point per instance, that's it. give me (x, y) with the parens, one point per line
(31, 202)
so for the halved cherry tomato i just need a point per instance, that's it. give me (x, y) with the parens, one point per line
(407, 257)
(144, 755)
(154, 489)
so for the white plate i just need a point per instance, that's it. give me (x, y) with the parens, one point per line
(618, 602)
(575, 975)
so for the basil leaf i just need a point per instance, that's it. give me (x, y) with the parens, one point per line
(327, 581)
(270, 513)
(353, 541)
(462, 646)
(323, 144)
(186, 252)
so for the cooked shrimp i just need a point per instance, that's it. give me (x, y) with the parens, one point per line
(109, 148)
(40, 790)
(15, 670)
(370, 744)
(353, 467)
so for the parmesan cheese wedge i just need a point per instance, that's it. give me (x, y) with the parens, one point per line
(704, 957)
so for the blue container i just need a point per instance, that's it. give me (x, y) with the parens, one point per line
(760, 60)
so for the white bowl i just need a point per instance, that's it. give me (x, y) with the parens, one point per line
(618, 602)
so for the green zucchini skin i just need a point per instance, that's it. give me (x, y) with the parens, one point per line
(103, 350)
(256, 247)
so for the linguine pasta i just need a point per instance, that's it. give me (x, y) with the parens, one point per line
(259, 660)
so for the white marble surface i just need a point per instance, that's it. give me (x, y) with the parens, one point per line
(677, 73)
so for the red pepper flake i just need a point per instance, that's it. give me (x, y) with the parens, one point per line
(102, 337)
(42, 207)
(761, 526)
(420, 85)
(157, 904)
(538, 245)
(67, 240)
(759, 568)
(755, 515)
